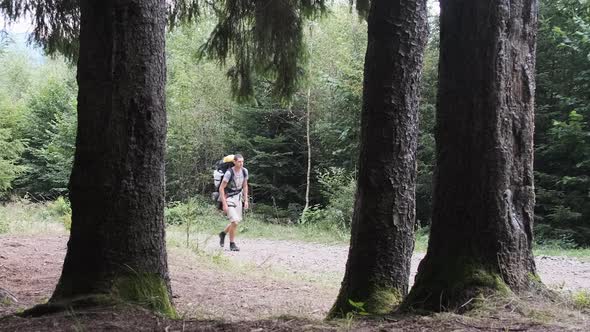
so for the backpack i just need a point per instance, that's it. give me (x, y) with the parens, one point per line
(218, 172)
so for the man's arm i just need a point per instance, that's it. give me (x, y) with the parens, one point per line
(222, 195)
(245, 191)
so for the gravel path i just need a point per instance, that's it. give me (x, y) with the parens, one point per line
(330, 260)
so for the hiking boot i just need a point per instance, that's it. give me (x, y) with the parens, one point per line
(233, 247)
(222, 239)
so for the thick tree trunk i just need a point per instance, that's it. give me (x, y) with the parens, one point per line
(481, 234)
(117, 243)
(382, 241)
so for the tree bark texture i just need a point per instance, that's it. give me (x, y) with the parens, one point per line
(481, 234)
(117, 181)
(382, 239)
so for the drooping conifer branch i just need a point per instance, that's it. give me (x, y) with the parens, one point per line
(362, 7)
(263, 36)
(55, 23)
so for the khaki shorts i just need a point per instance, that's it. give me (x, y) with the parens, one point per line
(234, 208)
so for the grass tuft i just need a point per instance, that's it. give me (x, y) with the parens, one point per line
(581, 300)
(147, 290)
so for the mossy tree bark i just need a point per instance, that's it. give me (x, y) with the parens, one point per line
(382, 241)
(117, 241)
(481, 234)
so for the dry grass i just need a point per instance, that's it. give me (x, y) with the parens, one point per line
(25, 217)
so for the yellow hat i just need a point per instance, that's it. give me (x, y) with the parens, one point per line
(228, 158)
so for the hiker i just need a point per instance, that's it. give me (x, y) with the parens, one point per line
(233, 190)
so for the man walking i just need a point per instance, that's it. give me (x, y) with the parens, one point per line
(233, 190)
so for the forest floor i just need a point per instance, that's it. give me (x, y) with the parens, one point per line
(268, 285)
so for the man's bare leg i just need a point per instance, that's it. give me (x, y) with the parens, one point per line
(232, 231)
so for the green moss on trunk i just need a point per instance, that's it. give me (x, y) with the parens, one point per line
(146, 290)
(454, 286)
(379, 302)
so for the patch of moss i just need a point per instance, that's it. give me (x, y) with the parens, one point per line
(483, 278)
(383, 301)
(380, 301)
(534, 278)
(454, 286)
(147, 290)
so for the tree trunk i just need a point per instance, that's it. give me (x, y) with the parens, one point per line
(117, 242)
(382, 240)
(481, 234)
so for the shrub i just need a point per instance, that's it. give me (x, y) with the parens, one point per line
(274, 215)
(339, 187)
(179, 213)
(61, 209)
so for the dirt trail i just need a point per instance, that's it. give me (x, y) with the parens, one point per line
(267, 278)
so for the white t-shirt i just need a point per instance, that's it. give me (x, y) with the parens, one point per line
(238, 180)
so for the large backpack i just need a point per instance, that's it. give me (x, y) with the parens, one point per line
(218, 172)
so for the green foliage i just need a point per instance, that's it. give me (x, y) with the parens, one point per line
(358, 308)
(271, 138)
(37, 125)
(339, 189)
(260, 222)
(562, 139)
(55, 23)
(425, 161)
(38, 122)
(204, 124)
(10, 151)
(61, 209)
(58, 153)
(563, 180)
(339, 44)
(264, 36)
(426, 143)
(421, 239)
(181, 213)
(316, 215)
(14, 78)
(199, 114)
(50, 130)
